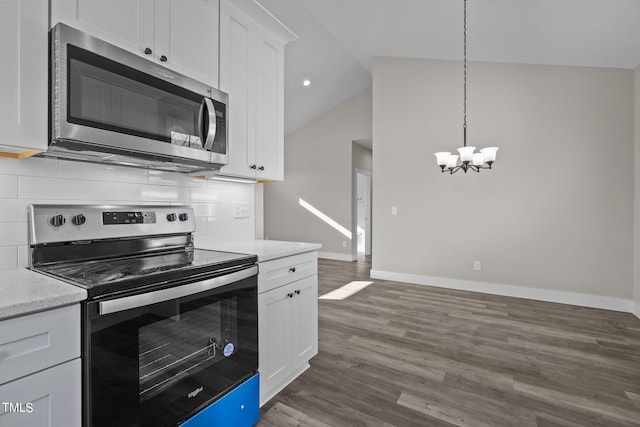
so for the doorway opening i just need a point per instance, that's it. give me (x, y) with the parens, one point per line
(363, 212)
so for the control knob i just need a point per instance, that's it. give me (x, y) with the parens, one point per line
(184, 216)
(57, 220)
(78, 219)
(171, 217)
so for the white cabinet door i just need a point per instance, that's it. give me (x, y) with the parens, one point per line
(186, 37)
(304, 307)
(274, 338)
(252, 73)
(288, 333)
(23, 76)
(269, 109)
(236, 78)
(128, 24)
(48, 398)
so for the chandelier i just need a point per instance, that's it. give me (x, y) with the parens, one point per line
(469, 159)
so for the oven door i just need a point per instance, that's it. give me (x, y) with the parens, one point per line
(156, 358)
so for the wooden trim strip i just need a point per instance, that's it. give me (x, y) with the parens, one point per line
(22, 155)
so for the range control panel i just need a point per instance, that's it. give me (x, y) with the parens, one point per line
(119, 218)
(60, 223)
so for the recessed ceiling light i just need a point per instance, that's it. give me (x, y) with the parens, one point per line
(307, 82)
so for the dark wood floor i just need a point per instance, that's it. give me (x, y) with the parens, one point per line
(407, 355)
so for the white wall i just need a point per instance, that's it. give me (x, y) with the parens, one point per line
(318, 169)
(35, 180)
(554, 217)
(636, 217)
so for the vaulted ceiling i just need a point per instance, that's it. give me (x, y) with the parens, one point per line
(337, 39)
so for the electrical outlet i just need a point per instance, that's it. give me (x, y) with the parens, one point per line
(344, 243)
(394, 210)
(243, 210)
(477, 265)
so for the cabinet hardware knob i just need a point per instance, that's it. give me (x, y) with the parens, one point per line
(297, 291)
(163, 58)
(252, 166)
(261, 168)
(148, 51)
(290, 295)
(292, 269)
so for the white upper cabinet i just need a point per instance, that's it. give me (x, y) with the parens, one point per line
(252, 73)
(23, 77)
(179, 34)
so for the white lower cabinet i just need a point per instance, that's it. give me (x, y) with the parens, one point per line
(40, 369)
(49, 398)
(288, 328)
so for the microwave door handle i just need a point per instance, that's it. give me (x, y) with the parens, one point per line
(208, 134)
(142, 300)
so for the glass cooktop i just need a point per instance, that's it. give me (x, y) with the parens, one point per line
(117, 274)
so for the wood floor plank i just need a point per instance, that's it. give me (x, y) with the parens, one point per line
(283, 415)
(403, 355)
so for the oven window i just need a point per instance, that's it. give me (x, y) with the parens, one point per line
(184, 340)
(107, 95)
(157, 365)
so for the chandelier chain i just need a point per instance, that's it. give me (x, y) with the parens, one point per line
(465, 70)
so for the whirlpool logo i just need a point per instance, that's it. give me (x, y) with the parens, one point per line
(195, 392)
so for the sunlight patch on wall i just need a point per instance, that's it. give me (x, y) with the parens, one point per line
(325, 218)
(346, 291)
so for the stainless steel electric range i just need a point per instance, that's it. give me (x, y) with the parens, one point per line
(167, 329)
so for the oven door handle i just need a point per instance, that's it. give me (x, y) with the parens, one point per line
(142, 300)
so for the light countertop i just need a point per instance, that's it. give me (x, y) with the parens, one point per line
(265, 249)
(23, 291)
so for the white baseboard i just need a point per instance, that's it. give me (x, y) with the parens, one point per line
(336, 256)
(636, 309)
(572, 298)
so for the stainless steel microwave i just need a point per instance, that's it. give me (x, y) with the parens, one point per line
(109, 105)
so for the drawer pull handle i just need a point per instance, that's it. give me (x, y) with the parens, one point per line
(290, 295)
(292, 269)
(297, 291)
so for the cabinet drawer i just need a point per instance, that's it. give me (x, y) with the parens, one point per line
(37, 341)
(278, 272)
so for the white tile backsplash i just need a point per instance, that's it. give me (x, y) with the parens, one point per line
(203, 195)
(32, 166)
(8, 257)
(97, 172)
(206, 209)
(46, 181)
(13, 233)
(170, 178)
(155, 193)
(8, 186)
(55, 188)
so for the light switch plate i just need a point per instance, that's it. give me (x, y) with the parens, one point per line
(243, 210)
